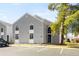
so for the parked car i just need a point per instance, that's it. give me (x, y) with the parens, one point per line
(3, 43)
(76, 39)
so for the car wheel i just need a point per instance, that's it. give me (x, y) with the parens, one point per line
(7, 45)
(1, 45)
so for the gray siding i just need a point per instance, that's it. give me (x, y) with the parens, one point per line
(55, 39)
(7, 28)
(24, 26)
(10, 33)
(4, 30)
(40, 30)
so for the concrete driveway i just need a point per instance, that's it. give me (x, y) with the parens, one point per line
(38, 51)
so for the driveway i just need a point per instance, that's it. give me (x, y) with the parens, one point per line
(38, 51)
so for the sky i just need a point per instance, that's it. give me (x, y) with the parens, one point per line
(11, 12)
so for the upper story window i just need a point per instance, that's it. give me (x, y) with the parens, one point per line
(31, 27)
(17, 28)
(49, 30)
(1, 29)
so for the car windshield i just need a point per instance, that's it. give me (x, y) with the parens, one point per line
(1, 39)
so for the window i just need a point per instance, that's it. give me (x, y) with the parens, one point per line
(1, 29)
(2, 36)
(31, 27)
(31, 35)
(17, 28)
(17, 36)
(49, 30)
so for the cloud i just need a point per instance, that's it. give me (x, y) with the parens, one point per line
(51, 16)
(20, 4)
(5, 18)
(17, 4)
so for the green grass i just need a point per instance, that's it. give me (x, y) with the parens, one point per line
(71, 44)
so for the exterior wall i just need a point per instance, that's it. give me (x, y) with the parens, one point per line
(40, 30)
(4, 30)
(7, 28)
(55, 39)
(10, 33)
(24, 27)
(45, 33)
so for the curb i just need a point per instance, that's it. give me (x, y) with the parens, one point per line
(43, 46)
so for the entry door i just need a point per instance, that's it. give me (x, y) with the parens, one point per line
(49, 38)
(49, 35)
(7, 38)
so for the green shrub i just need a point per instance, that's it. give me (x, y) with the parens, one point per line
(73, 45)
(65, 42)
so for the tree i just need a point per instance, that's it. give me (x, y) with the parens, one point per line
(67, 14)
(75, 27)
(62, 14)
(73, 19)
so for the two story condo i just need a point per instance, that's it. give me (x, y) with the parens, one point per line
(29, 29)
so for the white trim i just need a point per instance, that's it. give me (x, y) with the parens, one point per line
(31, 31)
(31, 40)
(16, 32)
(17, 41)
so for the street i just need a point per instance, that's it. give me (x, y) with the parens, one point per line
(38, 51)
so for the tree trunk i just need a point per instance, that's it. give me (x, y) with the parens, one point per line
(62, 33)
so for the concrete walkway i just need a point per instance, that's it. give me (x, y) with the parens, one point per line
(39, 45)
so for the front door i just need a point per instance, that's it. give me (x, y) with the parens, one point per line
(7, 38)
(49, 38)
(49, 35)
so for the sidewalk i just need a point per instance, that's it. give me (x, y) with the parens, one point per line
(39, 45)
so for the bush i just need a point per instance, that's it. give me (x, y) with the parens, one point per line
(73, 45)
(77, 40)
(65, 42)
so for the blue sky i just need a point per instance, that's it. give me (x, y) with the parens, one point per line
(12, 12)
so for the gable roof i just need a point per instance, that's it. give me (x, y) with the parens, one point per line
(36, 17)
(43, 20)
(5, 23)
(25, 15)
